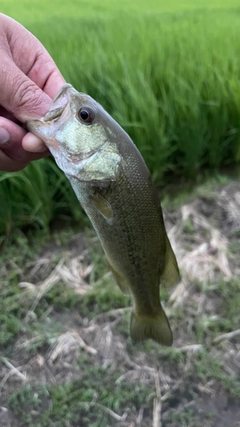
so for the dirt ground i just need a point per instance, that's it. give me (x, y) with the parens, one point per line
(74, 341)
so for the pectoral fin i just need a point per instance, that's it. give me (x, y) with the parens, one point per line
(170, 276)
(103, 207)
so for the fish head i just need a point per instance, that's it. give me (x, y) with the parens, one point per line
(78, 132)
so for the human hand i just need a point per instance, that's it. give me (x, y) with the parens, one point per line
(29, 80)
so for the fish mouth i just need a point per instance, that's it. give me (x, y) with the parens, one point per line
(53, 114)
(58, 104)
(62, 92)
(46, 130)
(41, 127)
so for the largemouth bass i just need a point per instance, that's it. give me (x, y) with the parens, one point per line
(114, 187)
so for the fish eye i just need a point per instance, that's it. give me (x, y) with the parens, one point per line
(86, 115)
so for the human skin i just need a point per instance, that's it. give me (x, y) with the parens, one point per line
(29, 80)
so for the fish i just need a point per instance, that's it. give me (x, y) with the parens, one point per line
(113, 184)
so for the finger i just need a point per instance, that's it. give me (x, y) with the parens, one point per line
(33, 144)
(11, 136)
(30, 78)
(9, 165)
(20, 95)
(7, 114)
(46, 75)
(33, 59)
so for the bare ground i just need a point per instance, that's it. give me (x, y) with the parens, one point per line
(79, 347)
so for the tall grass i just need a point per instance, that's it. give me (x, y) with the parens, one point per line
(172, 80)
(29, 11)
(35, 197)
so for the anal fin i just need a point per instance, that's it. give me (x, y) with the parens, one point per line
(170, 276)
(120, 279)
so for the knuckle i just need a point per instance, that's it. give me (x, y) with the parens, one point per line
(25, 97)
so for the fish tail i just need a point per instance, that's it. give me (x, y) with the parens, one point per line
(155, 327)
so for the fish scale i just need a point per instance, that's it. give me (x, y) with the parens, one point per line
(114, 186)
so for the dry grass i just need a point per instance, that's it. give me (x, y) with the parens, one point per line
(197, 382)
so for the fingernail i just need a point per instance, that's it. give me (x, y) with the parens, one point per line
(4, 136)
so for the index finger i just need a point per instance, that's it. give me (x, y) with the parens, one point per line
(29, 76)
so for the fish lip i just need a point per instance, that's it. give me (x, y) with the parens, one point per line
(58, 103)
(54, 114)
(64, 89)
(57, 107)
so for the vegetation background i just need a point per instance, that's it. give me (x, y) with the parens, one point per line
(169, 73)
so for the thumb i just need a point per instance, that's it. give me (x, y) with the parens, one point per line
(19, 94)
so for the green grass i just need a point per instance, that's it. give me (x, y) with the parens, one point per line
(30, 12)
(35, 197)
(91, 385)
(113, 373)
(74, 403)
(169, 73)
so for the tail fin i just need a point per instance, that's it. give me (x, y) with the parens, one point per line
(156, 327)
